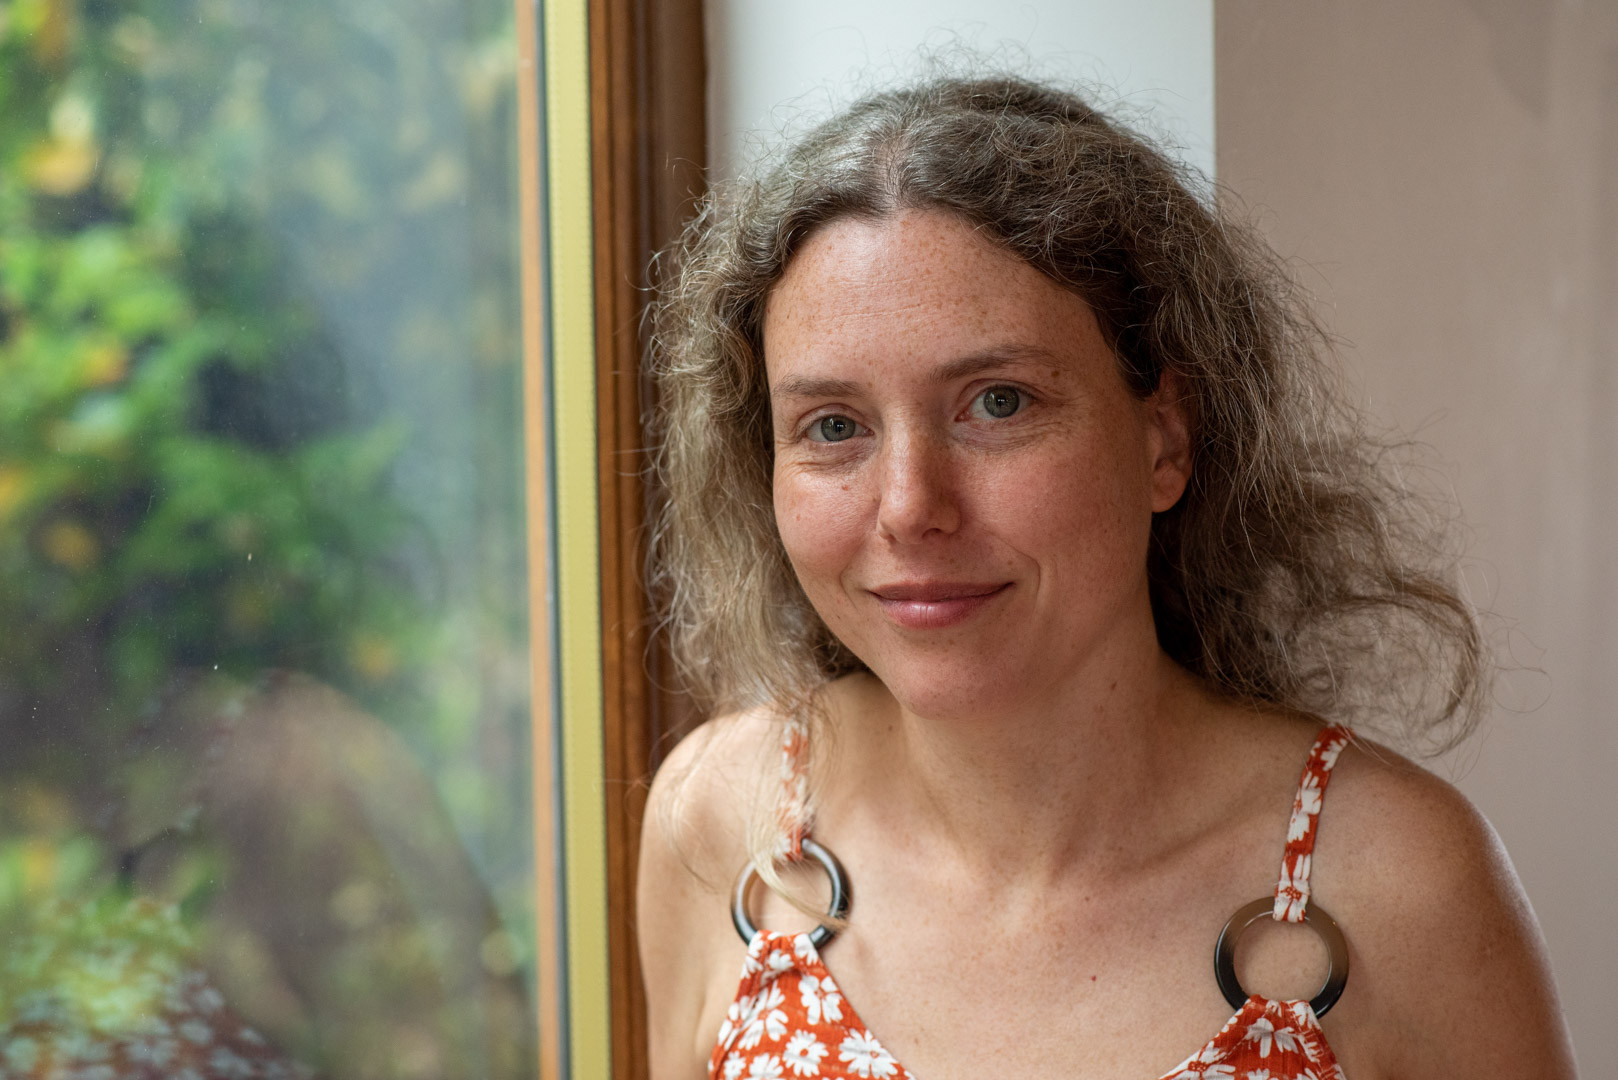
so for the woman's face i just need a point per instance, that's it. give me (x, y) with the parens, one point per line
(963, 481)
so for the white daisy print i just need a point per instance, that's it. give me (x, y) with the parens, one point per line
(208, 999)
(227, 1063)
(1204, 1063)
(735, 1017)
(196, 1031)
(735, 1064)
(1292, 895)
(805, 949)
(152, 1050)
(1305, 808)
(765, 1016)
(1265, 1033)
(755, 956)
(865, 1056)
(1257, 1074)
(820, 998)
(1309, 796)
(1297, 826)
(780, 960)
(803, 1054)
(765, 1067)
(1199, 1071)
(1262, 1032)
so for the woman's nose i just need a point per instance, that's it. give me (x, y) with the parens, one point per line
(918, 496)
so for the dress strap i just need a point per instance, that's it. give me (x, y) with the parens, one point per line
(1292, 893)
(795, 815)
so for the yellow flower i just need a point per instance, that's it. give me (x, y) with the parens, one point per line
(13, 483)
(106, 364)
(70, 545)
(61, 167)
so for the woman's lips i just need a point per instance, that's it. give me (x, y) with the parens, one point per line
(933, 606)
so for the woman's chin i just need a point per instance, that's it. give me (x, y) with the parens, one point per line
(957, 692)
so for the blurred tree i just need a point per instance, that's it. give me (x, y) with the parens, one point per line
(175, 488)
(257, 348)
(258, 402)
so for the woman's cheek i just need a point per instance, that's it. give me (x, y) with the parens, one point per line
(820, 520)
(1082, 508)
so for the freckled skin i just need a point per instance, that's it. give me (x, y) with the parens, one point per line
(1033, 791)
(1054, 501)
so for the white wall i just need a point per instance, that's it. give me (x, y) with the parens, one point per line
(775, 66)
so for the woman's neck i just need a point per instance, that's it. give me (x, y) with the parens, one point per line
(1048, 785)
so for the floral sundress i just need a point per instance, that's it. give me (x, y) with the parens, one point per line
(790, 1021)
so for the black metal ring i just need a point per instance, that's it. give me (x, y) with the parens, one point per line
(1314, 916)
(841, 896)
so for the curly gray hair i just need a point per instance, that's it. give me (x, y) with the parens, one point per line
(1297, 571)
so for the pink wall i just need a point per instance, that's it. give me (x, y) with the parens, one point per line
(1446, 173)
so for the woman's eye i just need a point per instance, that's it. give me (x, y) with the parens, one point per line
(999, 402)
(832, 429)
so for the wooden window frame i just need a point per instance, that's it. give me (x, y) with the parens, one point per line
(648, 126)
(626, 79)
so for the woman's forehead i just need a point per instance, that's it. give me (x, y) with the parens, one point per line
(920, 284)
(909, 253)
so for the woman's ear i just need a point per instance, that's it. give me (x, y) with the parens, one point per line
(1168, 440)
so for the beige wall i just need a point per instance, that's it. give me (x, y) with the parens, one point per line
(1446, 171)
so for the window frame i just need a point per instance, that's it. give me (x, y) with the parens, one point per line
(612, 152)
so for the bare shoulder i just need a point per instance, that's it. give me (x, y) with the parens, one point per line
(1446, 953)
(693, 843)
(705, 789)
(709, 790)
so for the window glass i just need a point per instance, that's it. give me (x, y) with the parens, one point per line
(264, 682)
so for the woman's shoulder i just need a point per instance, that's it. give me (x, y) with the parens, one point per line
(1449, 973)
(1445, 946)
(693, 844)
(1404, 845)
(1384, 817)
(705, 789)
(710, 790)
(1394, 815)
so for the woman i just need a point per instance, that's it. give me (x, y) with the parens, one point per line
(1006, 492)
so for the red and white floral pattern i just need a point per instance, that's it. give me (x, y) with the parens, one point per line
(795, 812)
(772, 1034)
(1292, 893)
(789, 1020)
(116, 995)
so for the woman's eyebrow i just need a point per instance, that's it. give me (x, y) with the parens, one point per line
(1000, 356)
(811, 386)
(962, 367)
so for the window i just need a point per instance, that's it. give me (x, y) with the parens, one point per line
(310, 595)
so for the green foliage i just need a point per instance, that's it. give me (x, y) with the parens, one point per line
(134, 524)
(189, 474)
(258, 410)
